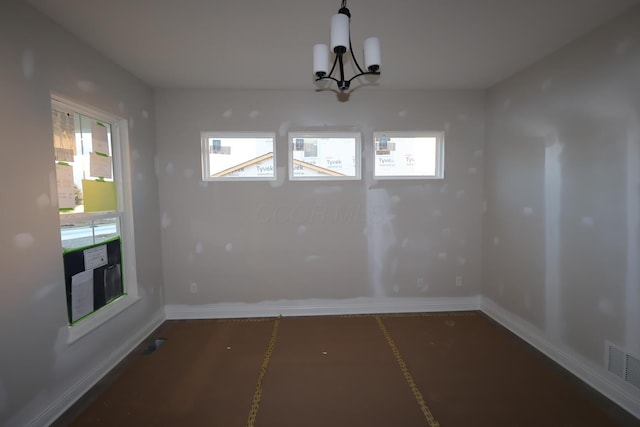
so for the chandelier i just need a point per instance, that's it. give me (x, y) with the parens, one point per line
(340, 44)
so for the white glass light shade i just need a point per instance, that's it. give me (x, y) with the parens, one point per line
(372, 53)
(320, 58)
(339, 32)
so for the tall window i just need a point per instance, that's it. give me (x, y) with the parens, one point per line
(405, 155)
(96, 222)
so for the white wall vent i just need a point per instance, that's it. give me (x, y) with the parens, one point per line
(623, 365)
(632, 371)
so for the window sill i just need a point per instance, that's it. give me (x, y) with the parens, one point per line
(100, 317)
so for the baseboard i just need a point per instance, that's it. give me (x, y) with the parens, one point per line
(596, 376)
(71, 395)
(321, 307)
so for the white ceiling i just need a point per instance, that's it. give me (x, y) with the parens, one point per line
(267, 44)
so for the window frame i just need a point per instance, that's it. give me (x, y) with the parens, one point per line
(439, 155)
(204, 151)
(122, 177)
(291, 136)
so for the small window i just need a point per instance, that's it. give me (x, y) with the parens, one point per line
(409, 155)
(324, 156)
(238, 156)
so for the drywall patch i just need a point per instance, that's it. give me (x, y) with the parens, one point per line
(485, 206)
(280, 177)
(165, 220)
(169, 169)
(23, 240)
(44, 292)
(442, 256)
(121, 107)
(199, 248)
(445, 232)
(587, 222)
(284, 128)
(139, 176)
(527, 211)
(312, 258)
(478, 154)
(396, 288)
(302, 229)
(462, 261)
(87, 86)
(506, 104)
(204, 184)
(472, 171)
(135, 154)
(546, 85)
(132, 122)
(145, 114)
(254, 114)
(436, 213)
(447, 127)
(606, 307)
(460, 194)
(188, 173)
(395, 199)
(228, 247)
(496, 241)
(444, 188)
(43, 201)
(622, 47)
(28, 63)
(402, 113)
(405, 242)
(227, 114)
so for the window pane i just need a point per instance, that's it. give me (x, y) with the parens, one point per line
(88, 232)
(83, 153)
(238, 156)
(417, 156)
(324, 156)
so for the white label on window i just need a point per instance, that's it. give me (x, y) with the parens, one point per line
(95, 257)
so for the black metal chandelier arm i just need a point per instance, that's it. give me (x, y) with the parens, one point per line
(328, 78)
(364, 73)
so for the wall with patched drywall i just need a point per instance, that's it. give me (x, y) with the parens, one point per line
(561, 232)
(319, 245)
(39, 372)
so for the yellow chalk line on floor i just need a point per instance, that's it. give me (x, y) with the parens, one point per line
(263, 370)
(407, 375)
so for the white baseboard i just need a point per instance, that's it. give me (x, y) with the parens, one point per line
(596, 376)
(71, 395)
(321, 307)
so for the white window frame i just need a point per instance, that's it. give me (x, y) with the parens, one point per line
(439, 156)
(122, 178)
(204, 154)
(357, 151)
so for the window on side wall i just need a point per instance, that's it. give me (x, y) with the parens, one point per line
(408, 155)
(238, 156)
(96, 221)
(324, 156)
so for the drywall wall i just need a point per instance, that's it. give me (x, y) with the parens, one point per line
(39, 372)
(319, 242)
(561, 231)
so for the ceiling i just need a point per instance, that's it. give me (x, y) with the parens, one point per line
(267, 44)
